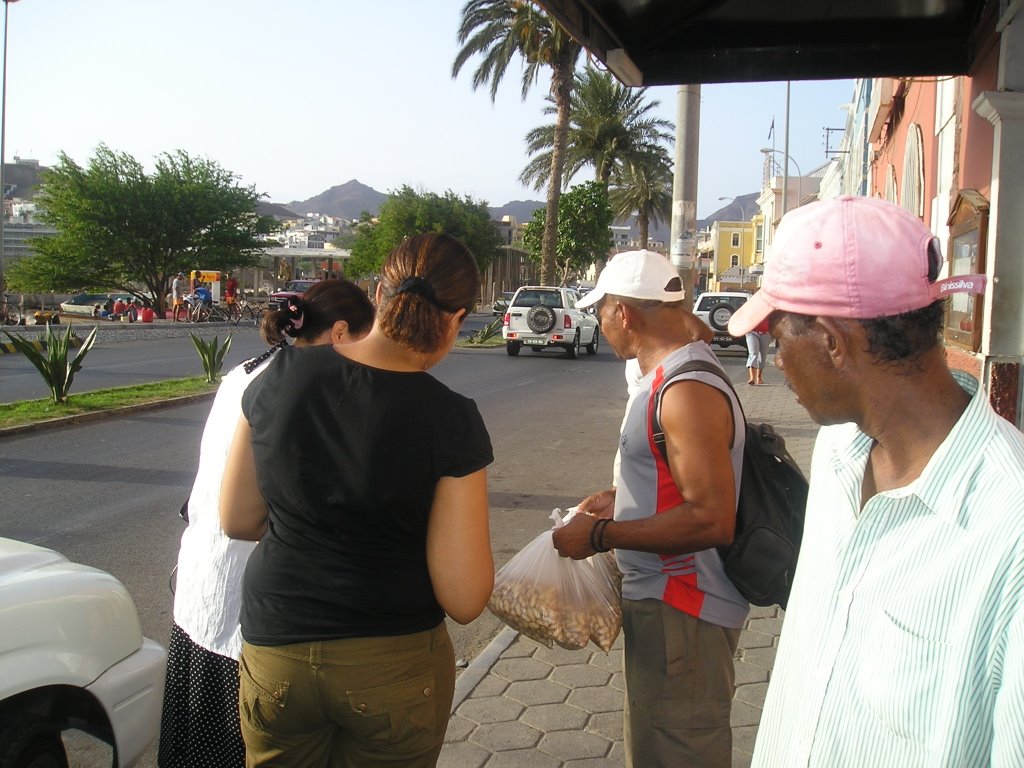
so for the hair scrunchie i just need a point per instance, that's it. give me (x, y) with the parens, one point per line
(295, 318)
(421, 287)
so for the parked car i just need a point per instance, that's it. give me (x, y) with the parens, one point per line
(72, 655)
(91, 304)
(291, 288)
(501, 303)
(545, 316)
(716, 308)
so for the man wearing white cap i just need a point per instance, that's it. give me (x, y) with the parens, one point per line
(681, 615)
(903, 643)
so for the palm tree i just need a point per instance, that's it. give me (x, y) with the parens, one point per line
(497, 30)
(609, 124)
(643, 187)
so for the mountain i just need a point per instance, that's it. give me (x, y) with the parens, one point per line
(346, 200)
(350, 199)
(522, 210)
(278, 211)
(742, 208)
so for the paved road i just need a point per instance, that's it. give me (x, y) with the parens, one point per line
(125, 354)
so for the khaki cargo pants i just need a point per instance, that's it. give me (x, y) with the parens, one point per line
(679, 674)
(351, 703)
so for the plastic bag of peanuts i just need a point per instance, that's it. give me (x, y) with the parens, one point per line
(556, 600)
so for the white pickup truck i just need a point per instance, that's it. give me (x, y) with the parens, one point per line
(72, 655)
(540, 316)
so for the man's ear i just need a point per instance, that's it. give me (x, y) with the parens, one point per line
(629, 315)
(837, 335)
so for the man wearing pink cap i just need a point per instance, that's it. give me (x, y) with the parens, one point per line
(903, 643)
(681, 616)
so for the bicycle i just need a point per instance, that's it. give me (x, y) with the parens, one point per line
(249, 311)
(10, 313)
(234, 311)
(217, 313)
(201, 312)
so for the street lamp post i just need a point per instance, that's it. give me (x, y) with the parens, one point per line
(799, 179)
(3, 126)
(743, 210)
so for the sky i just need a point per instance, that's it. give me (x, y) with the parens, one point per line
(297, 97)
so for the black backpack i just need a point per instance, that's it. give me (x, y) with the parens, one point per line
(762, 558)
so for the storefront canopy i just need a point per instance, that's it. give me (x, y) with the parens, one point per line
(671, 42)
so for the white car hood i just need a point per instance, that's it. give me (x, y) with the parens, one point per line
(60, 622)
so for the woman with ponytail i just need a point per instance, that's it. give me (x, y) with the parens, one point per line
(199, 726)
(373, 525)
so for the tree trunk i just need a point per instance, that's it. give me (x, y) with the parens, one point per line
(643, 222)
(561, 90)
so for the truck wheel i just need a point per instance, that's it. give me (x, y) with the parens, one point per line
(512, 347)
(573, 350)
(540, 318)
(26, 744)
(592, 346)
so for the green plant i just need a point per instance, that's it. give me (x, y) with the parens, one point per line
(211, 355)
(53, 363)
(486, 333)
(32, 411)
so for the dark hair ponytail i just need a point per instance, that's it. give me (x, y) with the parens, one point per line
(318, 310)
(424, 278)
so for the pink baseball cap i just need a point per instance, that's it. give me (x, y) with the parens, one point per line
(855, 257)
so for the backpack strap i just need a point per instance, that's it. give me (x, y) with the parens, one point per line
(657, 432)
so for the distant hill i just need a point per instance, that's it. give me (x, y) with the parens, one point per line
(278, 211)
(346, 200)
(740, 209)
(522, 210)
(350, 199)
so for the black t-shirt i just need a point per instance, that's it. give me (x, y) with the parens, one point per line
(348, 457)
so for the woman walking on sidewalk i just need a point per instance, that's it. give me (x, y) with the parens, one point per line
(364, 479)
(758, 341)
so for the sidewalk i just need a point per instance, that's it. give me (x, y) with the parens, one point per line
(522, 704)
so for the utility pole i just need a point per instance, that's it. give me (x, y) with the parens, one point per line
(684, 187)
(785, 164)
(3, 120)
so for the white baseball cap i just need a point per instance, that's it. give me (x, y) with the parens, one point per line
(635, 275)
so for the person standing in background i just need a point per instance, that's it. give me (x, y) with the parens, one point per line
(231, 293)
(178, 296)
(758, 342)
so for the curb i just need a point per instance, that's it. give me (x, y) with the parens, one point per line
(109, 413)
(40, 345)
(480, 667)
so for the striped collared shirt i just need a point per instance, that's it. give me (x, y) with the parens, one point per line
(903, 644)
